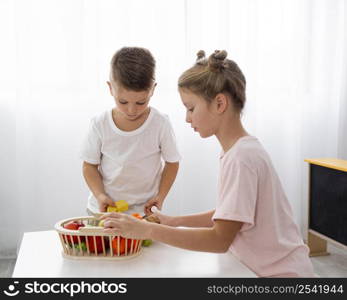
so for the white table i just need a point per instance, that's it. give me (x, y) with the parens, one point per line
(158, 260)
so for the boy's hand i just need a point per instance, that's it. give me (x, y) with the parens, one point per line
(104, 201)
(156, 201)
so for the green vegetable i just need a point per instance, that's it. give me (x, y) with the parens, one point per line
(83, 246)
(147, 243)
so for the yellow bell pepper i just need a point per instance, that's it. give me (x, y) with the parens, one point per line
(120, 206)
(112, 208)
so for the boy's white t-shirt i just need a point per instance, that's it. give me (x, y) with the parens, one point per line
(250, 191)
(130, 162)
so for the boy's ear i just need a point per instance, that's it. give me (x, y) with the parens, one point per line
(221, 102)
(110, 87)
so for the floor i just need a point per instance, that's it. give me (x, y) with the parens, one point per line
(6, 267)
(333, 265)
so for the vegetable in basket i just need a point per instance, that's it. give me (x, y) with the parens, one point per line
(73, 225)
(97, 245)
(82, 246)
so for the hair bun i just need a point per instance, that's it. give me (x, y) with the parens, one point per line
(216, 61)
(200, 58)
(200, 55)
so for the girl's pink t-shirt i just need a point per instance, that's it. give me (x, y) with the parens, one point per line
(250, 191)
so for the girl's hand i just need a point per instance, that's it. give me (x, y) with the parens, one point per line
(126, 226)
(164, 219)
(104, 201)
(156, 201)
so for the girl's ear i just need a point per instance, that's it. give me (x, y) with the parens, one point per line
(110, 87)
(221, 102)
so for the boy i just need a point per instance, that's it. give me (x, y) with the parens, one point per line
(123, 151)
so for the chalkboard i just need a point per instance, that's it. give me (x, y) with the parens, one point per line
(328, 202)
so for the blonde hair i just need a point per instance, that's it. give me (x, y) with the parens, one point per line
(214, 75)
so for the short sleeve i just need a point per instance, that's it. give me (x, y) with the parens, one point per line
(168, 145)
(237, 195)
(91, 146)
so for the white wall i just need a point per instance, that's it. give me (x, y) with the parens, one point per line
(342, 140)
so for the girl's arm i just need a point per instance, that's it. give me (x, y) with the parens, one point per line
(215, 239)
(94, 181)
(203, 219)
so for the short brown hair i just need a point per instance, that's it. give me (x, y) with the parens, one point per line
(133, 68)
(217, 74)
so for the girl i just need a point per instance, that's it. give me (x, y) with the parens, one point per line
(253, 218)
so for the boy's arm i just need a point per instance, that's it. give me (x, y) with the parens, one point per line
(94, 181)
(168, 177)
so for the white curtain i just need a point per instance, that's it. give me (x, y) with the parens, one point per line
(54, 62)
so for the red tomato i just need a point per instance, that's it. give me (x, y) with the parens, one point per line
(135, 245)
(73, 225)
(97, 245)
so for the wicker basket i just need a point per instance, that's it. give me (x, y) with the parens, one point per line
(90, 242)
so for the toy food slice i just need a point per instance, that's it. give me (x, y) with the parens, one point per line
(120, 206)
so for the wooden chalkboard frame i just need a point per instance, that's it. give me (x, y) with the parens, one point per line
(316, 241)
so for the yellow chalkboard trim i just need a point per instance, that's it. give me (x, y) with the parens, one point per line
(332, 163)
